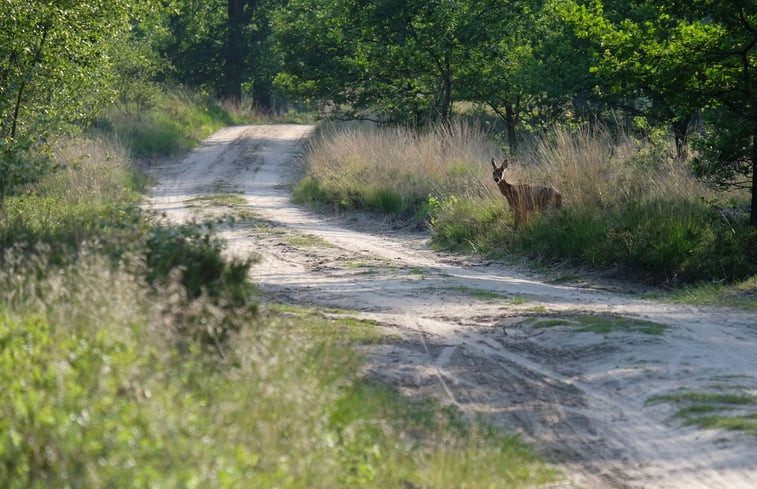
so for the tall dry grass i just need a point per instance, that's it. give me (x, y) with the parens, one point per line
(626, 199)
(598, 167)
(353, 164)
(89, 170)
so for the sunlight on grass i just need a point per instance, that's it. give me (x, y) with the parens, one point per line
(308, 241)
(742, 295)
(224, 199)
(714, 410)
(604, 324)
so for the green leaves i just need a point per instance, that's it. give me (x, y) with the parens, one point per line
(55, 74)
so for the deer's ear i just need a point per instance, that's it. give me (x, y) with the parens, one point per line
(504, 163)
(494, 164)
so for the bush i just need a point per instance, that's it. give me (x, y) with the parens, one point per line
(197, 256)
(672, 242)
(175, 121)
(472, 226)
(89, 204)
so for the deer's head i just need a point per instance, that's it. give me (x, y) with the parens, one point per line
(499, 171)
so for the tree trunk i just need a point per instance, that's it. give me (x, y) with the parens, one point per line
(22, 87)
(236, 48)
(511, 120)
(233, 67)
(261, 95)
(681, 134)
(753, 216)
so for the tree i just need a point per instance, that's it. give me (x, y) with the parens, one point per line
(677, 60)
(220, 46)
(54, 72)
(395, 60)
(525, 65)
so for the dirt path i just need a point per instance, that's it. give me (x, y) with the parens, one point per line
(468, 332)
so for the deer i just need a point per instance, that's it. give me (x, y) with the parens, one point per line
(525, 198)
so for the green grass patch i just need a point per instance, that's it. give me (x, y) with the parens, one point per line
(609, 324)
(713, 410)
(223, 200)
(604, 324)
(359, 265)
(335, 324)
(308, 241)
(551, 323)
(717, 398)
(482, 294)
(674, 242)
(742, 295)
(471, 225)
(747, 423)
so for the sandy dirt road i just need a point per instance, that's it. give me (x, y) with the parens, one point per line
(472, 333)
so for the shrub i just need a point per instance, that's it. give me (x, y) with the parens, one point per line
(197, 256)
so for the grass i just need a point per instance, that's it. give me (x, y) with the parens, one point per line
(392, 170)
(308, 241)
(605, 324)
(223, 200)
(741, 294)
(628, 204)
(175, 121)
(483, 294)
(714, 410)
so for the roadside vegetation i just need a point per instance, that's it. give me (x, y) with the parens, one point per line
(628, 202)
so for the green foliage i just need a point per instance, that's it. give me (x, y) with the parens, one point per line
(309, 191)
(477, 226)
(55, 74)
(175, 121)
(197, 255)
(670, 63)
(404, 61)
(87, 204)
(73, 405)
(221, 48)
(21, 162)
(669, 241)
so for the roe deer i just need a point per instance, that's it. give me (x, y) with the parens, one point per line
(525, 198)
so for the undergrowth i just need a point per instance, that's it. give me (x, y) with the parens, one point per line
(174, 121)
(627, 202)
